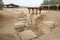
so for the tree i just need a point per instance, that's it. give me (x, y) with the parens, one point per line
(48, 2)
(1, 5)
(45, 2)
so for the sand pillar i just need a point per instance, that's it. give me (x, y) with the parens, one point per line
(32, 11)
(39, 10)
(57, 7)
(36, 11)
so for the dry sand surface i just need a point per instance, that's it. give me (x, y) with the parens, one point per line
(7, 28)
(55, 33)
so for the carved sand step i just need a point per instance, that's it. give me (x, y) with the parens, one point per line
(26, 35)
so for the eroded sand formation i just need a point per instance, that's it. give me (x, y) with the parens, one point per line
(13, 23)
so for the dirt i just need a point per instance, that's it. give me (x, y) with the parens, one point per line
(55, 32)
(8, 32)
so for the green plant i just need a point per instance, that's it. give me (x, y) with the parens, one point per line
(48, 2)
(1, 5)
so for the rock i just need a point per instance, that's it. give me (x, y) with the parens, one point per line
(26, 35)
(49, 23)
(47, 26)
(19, 26)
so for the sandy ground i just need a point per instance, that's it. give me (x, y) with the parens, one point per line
(7, 31)
(55, 33)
